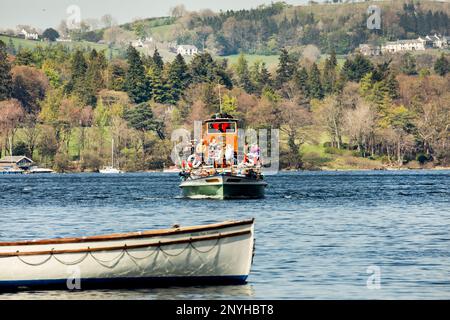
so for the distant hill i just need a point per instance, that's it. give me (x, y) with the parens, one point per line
(261, 32)
(265, 29)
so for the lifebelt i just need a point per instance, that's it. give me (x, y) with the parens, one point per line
(193, 162)
(247, 162)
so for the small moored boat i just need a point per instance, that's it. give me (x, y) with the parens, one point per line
(40, 170)
(111, 169)
(218, 253)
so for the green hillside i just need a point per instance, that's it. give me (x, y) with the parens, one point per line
(31, 44)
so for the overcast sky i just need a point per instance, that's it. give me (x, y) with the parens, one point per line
(49, 13)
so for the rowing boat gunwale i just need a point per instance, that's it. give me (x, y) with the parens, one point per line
(127, 247)
(131, 235)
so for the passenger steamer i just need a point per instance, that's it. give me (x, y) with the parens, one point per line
(213, 171)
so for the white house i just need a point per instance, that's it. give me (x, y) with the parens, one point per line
(440, 42)
(187, 50)
(64, 39)
(369, 49)
(142, 43)
(419, 44)
(30, 35)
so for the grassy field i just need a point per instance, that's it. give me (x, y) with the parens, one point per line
(163, 33)
(30, 44)
(270, 61)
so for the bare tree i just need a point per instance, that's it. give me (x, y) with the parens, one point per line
(11, 115)
(359, 125)
(31, 132)
(178, 11)
(330, 115)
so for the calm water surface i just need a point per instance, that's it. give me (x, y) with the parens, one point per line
(316, 233)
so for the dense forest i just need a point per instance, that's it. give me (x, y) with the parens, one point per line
(62, 107)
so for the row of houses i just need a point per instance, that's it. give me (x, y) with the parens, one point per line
(32, 34)
(149, 43)
(420, 44)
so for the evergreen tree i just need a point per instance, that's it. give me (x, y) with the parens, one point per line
(243, 74)
(381, 72)
(356, 69)
(314, 84)
(201, 67)
(286, 68)
(366, 85)
(156, 73)
(78, 71)
(136, 82)
(329, 74)
(442, 66)
(94, 78)
(158, 62)
(116, 77)
(204, 69)
(392, 86)
(24, 57)
(260, 76)
(159, 86)
(11, 47)
(408, 65)
(177, 79)
(5, 74)
(301, 79)
(264, 76)
(141, 119)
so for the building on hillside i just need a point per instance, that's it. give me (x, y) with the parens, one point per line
(419, 44)
(439, 41)
(30, 35)
(369, 49)
(187, 50)
(16, 162)
(64, 39)
(142, 43)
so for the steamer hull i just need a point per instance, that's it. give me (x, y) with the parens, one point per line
(223, 187)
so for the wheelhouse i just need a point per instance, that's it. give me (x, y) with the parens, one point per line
(220, 132)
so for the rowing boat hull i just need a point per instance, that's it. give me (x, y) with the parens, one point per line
(224, 187)
(220, 253)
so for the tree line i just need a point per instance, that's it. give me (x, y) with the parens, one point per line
(63, 107)
(341, 28)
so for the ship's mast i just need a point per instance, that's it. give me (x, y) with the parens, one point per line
(220, 99)
(11, 150)
(112, 153)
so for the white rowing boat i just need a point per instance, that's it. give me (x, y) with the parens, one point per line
(217, 253)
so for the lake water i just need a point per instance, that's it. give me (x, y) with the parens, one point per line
(317, 233)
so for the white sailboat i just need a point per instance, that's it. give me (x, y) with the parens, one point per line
(111, 169)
